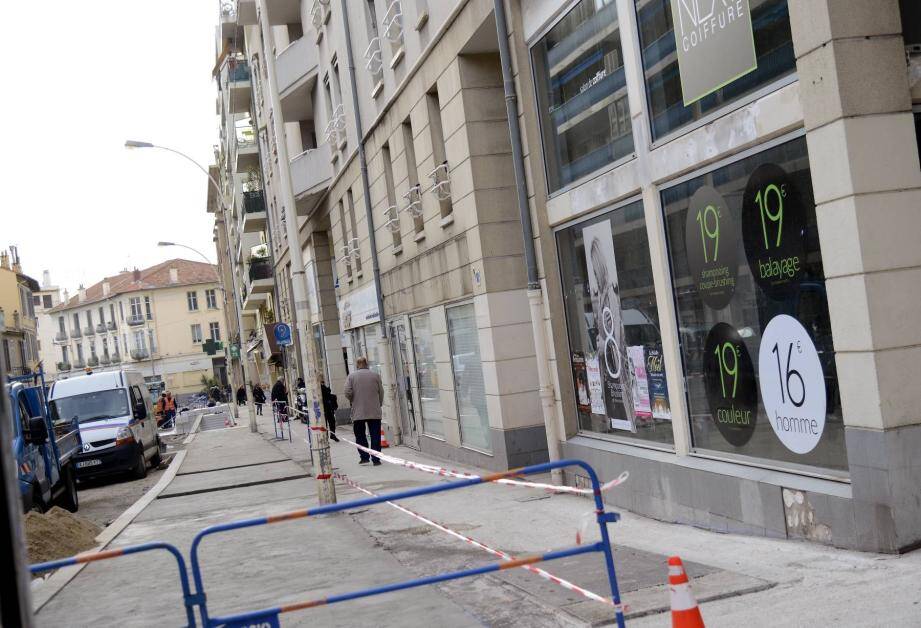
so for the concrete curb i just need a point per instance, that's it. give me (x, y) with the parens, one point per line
(45, 590)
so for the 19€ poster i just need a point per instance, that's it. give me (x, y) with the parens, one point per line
(610, 345)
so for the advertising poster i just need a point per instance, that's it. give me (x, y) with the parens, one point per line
(641, 406)
(658, 385)
(595, 392)
(731, 389)
(712, 243)
(616, 376)
(583, 400)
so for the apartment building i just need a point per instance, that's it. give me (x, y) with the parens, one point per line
(17, 315)
(724, 222)
(47, 297)
(166, 321)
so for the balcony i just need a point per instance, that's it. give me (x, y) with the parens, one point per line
(79, 364)
(89, 330)
(101, 328)
(282, 12)
(246, 13)
(254, 217)
(63, 366)
(238, 85)
(115, 358)
(252, 300)
(92, 361)
(75, 333)
(140, 354)
(261, 277)
(392, 25)
(135, 320)
(334, 133)
(111, 326)
(319, 15)
(60, 337)
(311, 174)
(247, 151)
(228, 20)
(296, 70)
(374, 64)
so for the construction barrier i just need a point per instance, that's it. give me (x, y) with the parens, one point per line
(281, 418)
(189, 600)
(270, 616)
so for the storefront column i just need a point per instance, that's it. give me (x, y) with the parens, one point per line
(867, 183)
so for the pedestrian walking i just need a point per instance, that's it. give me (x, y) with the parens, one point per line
(280, 398)
(330, 405)
(363, 388)
(258, 398)
(241, 396)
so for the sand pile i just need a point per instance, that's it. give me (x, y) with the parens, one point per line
(57, 534)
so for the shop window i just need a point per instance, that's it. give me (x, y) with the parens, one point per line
(469, 389)
(773, 48)
(613, 324)
(752, 311)
(582, 93)
(426, 375)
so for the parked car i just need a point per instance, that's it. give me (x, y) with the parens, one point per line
(45, 452)
(117, 425)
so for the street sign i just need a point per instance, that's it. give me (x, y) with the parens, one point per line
(282, 333)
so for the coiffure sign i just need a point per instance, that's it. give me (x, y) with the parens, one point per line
(715, 44)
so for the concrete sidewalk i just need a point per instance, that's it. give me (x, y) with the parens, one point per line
(231, 474)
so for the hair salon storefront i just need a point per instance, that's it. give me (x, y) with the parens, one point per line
(699, 352)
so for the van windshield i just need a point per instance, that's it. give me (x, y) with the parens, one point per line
(94, 406)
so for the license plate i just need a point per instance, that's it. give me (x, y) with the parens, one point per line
(89, 463)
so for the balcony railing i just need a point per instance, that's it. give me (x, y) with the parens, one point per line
(135, 320)
(92, 361)
(115, 358)
(414, 201)
(75, 333)
(140, 354)
(61, 336)
(101, 328)
(392, 215)
(111, 326)
(319, 14)
(63, 366)
(79, 364)
(260, 268)
(392, 23)
(441, 182)
(335, 128)
(89, 331)
(373, 62)
(253, 202)
(105, 360)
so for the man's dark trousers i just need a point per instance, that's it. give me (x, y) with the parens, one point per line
(374, 427)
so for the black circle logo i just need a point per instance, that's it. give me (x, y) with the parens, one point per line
(712, 246)
(731, 389)
(773, 231)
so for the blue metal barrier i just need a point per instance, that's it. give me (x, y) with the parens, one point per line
(269, 617)
(189, 600)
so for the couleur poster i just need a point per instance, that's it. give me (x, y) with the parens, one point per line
(640, 382)
(611, 351)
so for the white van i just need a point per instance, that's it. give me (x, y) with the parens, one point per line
(117, 425)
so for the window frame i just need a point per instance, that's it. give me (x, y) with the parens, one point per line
(196, 337)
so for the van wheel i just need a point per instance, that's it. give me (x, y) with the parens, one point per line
(139, 471)
(69, 499)
(156, 459)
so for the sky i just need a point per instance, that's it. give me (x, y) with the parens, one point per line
(81, 78)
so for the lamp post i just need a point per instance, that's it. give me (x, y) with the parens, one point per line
(132, 144)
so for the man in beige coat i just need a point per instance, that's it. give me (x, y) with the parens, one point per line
(363, 388)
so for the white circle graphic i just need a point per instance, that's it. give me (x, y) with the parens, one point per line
(792, 384)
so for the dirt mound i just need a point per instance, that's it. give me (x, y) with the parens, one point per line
(58, 534)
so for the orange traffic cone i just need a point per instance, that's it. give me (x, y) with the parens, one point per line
(685, 612)
(384, 442)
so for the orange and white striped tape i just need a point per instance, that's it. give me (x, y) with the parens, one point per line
(555, 488)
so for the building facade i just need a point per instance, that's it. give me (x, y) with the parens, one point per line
(724, 222)
(18, 326)
(166, 321)
(44, 300)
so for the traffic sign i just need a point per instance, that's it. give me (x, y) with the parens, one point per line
(283, 334)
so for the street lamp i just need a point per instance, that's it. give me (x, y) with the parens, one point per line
(133, 144)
